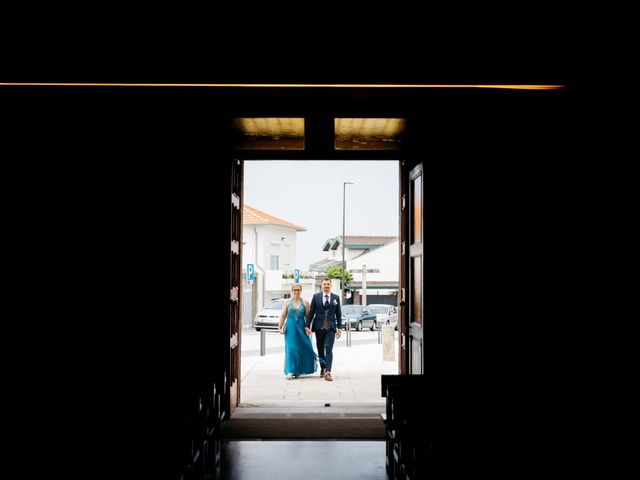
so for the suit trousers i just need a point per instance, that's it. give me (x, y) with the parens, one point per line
(324, 341)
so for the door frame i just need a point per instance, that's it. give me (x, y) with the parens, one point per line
(267, 155)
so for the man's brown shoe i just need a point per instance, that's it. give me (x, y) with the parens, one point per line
(327, 377)
(322, 371)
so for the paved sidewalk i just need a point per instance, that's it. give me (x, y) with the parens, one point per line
(356, 375)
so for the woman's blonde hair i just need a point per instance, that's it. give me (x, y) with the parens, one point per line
(296, 285)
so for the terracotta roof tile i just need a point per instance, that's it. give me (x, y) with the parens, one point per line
(253, 216)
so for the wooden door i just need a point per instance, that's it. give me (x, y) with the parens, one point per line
(236, 278)
(414, 292)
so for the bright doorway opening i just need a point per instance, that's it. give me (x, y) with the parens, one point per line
(299, 218)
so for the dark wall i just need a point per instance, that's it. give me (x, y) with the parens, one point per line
(121, 199)
(121, 202)
(500, 261)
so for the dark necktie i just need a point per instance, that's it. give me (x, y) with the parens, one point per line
(325, 323)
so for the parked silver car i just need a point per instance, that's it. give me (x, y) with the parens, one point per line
(358, 316)
(269, 316)
(385, 314)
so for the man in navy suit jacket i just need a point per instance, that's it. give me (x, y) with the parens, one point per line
(325, 319)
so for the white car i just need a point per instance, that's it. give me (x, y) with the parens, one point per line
(269, 317)
(385, 314)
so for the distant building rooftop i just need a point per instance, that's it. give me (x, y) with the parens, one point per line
(372, 284)
(323, 265)
(358, 242)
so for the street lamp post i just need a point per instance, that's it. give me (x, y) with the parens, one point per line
(344, 187)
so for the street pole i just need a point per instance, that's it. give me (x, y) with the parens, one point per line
(364, 284)
(344, 190)
(344, 265)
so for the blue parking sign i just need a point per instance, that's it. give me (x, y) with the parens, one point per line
(250, 272)
(296, 276)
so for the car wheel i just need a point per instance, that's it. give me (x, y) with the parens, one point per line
(359, 326)
(374, 325)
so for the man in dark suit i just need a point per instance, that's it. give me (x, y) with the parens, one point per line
(325, 319)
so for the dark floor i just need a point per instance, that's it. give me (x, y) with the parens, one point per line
(307, 459)
(305, 426)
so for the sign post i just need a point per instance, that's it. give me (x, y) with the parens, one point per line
(364, 272)
(250, 273)
(296, 276)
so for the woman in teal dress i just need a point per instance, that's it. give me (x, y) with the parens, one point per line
(299, 357)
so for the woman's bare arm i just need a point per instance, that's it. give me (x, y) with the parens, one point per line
(283, 314)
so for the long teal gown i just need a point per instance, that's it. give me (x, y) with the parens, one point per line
(299, 357)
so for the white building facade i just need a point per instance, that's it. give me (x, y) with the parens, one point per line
(381, 285)
(269, 244)
(378, 253)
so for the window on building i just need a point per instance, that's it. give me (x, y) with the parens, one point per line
(275, 262)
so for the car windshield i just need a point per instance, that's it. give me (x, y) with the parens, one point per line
(352, 309)
(276, 304)
(379, 308)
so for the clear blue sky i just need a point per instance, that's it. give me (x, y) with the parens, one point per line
(309, 194)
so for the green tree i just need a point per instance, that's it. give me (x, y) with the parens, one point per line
(336, 272)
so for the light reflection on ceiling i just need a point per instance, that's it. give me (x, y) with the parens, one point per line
(270, 133)
(368, 133)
